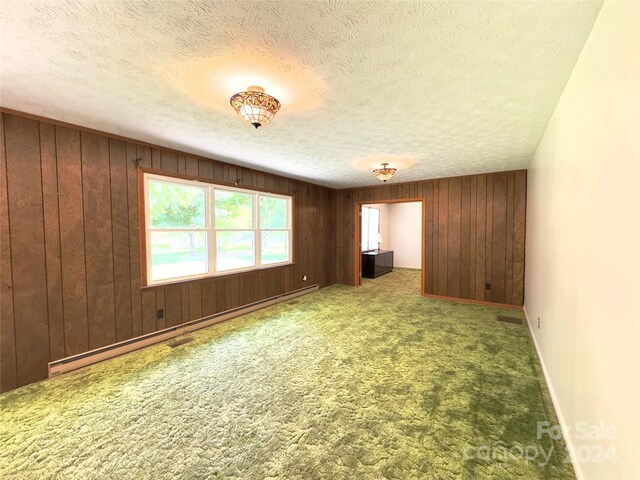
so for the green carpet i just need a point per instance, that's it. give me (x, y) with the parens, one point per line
(363, 382)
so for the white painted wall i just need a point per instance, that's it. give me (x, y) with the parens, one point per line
(583, 245)
(405, 231)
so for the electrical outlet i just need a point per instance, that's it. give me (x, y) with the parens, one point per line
(538, 323)
(487, 286)
(160, 313)
(304, 278)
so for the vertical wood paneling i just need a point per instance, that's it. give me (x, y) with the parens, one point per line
(161, 321)
(22, 150)
(148, 311)
(52, 240)
(234, 292)
(465, 236)
(217, 169)
(205, 169)
(474, 233)
(248, 177)
(248, 291)
(330, 225)
(207, 304)
(429, 240)
(220, 303)
(120, 239)
(305, 238)
(443, 235)
(481, 235)
(191, 165)
(145, 155)
(454, 219)
(184, 297)
(520, 200)
(182, 164)
(79, 285)
(349, 224)
(156, 158)
(269, 281)
(134, 248)
(98, 240)
(195, 301)
(8, 374)
(509, 239)
(173, 305)
(341, 241)
(433, 233)
(169, 161)
(318, 213)
(70, 295)
(74, 284)
(473, 220)
(499, 243)
(489, 237)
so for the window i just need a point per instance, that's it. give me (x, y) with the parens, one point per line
(370, 228)
(196, 229)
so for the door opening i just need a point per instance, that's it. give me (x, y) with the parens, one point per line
(390, 234)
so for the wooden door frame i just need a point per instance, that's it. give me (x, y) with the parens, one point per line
(358, 227)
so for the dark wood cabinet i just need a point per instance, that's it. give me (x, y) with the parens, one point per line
(376, 263)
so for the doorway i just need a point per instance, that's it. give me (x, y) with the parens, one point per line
(405, 221)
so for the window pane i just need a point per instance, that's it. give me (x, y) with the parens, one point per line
(178, 254)
(365, 229)
(235, 250)
(176, 205)
(274, 247)
(374, 227)
(273, 212)
(234, 209)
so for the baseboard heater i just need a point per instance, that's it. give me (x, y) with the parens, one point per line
(103, 353)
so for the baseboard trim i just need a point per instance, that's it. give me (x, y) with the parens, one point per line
(85, 359)
(577, 468)
(473, 302)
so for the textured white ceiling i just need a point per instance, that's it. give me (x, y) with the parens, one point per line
(458, 87)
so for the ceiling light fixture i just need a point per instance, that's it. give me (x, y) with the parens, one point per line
(385, 173)
(255, 106)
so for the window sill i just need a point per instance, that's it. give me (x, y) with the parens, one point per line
(216, 275)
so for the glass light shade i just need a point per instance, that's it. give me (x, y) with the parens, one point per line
(385, 173)
(255, 106)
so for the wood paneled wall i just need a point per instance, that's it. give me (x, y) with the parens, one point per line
(69, 250)
(70, 263)
(475, 233)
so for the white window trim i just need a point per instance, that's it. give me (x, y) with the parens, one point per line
(210, 230)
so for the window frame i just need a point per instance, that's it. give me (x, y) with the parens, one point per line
(145, 175)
